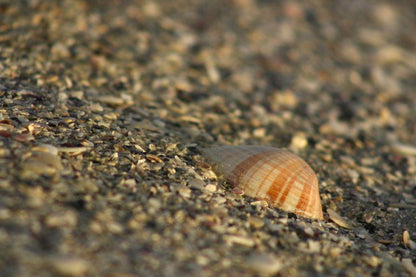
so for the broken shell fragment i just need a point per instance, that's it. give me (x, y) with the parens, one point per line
(280, 177)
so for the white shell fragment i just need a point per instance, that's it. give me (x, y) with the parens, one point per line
(339, 220)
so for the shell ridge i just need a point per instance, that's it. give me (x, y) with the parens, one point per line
(264, 159)
(304, 204)
(254, 166)
(318, 204)
(267, 180)
(273, 159)
(278, 176)
(243, 168)
(316, 201)
(314, 207)
(288, 186)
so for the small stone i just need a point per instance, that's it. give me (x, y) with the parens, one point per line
(196, 183)
(154, 203)
(265, 264)
(24, 137)
(69, 266)
(60, 51)
(404, 149)
(234, 239)
(184, 191)
(6, 127)
(259, 132)
(285, 99)
(211, 188)
(409, 266)
(96, 227)
(73, 151)
(299, 142)
(202, 260)
(212, 71)
(372, 261)
(260, 203)
(354, 175)
(40, 164)
(314, 246)
(361, 233)
(407, 242)
(4, 213)
(309, 232)
(335, 252)
(79, 94)
(238, 191)
(46, 148)
(115, 227)
(129, 184)
(386, 14)
(389, 54)
(256, 222)
(336, 127)
(114, 101)
(151, 9)
(153, 158)
(219, 200)
(340, 221)
(244, 80)
(65, 219)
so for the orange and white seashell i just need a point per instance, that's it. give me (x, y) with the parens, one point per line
(280, 177)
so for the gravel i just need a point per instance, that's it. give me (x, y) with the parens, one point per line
(105, 107)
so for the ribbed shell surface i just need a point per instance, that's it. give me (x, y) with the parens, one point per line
(278, 176)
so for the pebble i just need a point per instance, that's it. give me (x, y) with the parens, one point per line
(115, 227)
(73, 151)
(211, 188)
(407, 242)
(196, 183)
(46, 148)
(245, 241)
(255, 222)
(4, 214)
(309, 231)
(354, 175)
(409, 266)
(115, 101)
(340, 221)
(62, 219)
(260, 203)
(39, 163)
(314, 246)
(372, 261)
(389, 54)
(299, 141)
(403, 149)
(265, 264)
(69, 266)
(335, 252)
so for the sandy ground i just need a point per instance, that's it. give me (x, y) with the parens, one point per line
(105, 107)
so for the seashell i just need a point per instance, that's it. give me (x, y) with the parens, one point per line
(280, 177)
